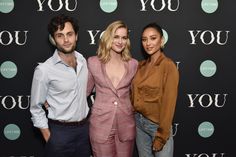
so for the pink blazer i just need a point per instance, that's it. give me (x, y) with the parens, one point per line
(110, 101)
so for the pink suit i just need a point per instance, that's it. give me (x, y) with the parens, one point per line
(112, 111)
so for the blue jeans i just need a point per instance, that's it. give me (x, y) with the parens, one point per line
(145, 133)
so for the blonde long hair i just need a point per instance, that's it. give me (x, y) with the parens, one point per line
(106, 40)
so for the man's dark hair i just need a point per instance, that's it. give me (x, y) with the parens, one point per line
(58, 22)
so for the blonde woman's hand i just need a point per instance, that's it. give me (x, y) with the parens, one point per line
(46, 105)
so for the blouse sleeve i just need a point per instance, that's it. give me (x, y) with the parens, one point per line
(170, 91)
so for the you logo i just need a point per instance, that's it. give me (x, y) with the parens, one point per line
(93, 34)
(160, 5)
(57, 5)
(208, 37)
(17, 37)
(207, 100)
(205, 155)
(10, 102)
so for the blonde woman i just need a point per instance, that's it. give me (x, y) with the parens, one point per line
(112, 124)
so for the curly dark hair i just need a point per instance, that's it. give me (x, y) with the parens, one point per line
(58, 22)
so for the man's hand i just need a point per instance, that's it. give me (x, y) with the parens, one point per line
(46, 134)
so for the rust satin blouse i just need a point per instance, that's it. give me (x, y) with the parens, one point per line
(154, 93)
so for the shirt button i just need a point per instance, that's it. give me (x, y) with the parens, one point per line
(115, 103)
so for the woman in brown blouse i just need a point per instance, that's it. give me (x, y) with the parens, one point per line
(154, 94)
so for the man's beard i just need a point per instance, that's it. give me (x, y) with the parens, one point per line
(61, 49)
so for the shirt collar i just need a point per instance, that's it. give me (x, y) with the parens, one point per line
(57, 59)
(160, 59)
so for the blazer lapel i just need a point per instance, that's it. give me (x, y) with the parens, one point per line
(125, 76)
(108, 81)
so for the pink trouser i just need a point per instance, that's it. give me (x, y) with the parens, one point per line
(113, 147)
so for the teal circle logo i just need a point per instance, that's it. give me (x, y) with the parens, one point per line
(6, 6)
(8, 69)
(12, 132)
(165, 35)
(108, 6)
(209, 6)
(208, 68)
(205, 129)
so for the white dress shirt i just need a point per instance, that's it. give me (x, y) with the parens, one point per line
(62, 87)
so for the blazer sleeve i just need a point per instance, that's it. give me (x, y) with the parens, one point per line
(91, 81)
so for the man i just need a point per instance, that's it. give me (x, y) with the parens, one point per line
(61, 81)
